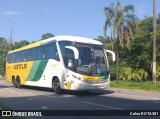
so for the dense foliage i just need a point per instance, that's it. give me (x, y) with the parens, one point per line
(3, 51)
(140, 54)
(136, 62)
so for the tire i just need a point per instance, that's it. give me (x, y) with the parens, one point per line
(18, 82)
(14, 82)
(57, 87)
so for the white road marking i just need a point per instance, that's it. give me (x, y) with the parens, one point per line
(115, 108)
(52, 96)
(59, 96)
(44, 107)
(30, 99)
(157, 101)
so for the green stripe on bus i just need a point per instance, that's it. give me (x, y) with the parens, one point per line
(38, 69)
(32, 72)
(103, 77)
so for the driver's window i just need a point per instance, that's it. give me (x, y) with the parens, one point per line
(69, 59)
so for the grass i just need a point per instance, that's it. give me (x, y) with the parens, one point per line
(1, 78)
(147, 85)
(3, 107)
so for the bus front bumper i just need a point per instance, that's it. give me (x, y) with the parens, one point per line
(81, 85)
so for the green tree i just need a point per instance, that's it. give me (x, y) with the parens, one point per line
(33, 42)
(46, 35)
(123, 22)
(4, 47)
(139, 56)
(20, 44)
(105, 41)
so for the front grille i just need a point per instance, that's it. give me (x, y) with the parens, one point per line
(95, 82)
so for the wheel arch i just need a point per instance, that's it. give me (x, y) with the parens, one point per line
(53, 79)
(13, 78)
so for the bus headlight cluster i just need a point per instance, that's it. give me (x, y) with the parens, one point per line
(77, 77)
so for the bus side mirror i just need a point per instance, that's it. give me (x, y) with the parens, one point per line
(113, 55)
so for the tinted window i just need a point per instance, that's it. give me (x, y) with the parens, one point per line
(26, 55)
(32, 54)
(9, 58)
(44, 52)
(39, 53)
(52, 52)
(13, 57)
(48, 51)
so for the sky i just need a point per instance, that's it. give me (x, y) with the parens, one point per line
(33, 18)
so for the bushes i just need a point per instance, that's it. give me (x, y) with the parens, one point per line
(158, 73)
(127, 73)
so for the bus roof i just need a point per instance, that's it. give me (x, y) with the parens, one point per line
(60, 38)
(78, 39)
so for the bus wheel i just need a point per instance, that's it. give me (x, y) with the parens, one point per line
(57, 87)
(14, 82)
(18, 82)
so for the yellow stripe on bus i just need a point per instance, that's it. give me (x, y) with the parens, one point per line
(28, 46)
(90, 77)
(21, 69)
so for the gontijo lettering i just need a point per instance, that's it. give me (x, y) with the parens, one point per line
(20, 66)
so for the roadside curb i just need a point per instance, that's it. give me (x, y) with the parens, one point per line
(135, 90)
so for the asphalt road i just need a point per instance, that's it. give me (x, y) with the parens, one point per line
(34, 98)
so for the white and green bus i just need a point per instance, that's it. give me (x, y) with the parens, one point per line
(61, 62)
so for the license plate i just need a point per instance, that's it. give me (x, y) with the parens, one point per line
(97, 86)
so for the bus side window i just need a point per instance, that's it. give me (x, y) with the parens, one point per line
(25, 55)
(33, 53)
(49, 52)
(13, 57)
(56, 56)
(44, 52)
(9, 57)
(52, 52)
(17, 57)
(20, 56)
(39, 53)
(29, 54)
(15, 60)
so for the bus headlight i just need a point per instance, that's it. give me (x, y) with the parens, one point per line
(77, 77)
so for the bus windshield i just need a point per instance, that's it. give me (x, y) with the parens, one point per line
(91, 61)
